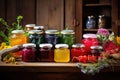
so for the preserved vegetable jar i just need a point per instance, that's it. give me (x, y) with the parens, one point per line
(52, 36)
(90, 24)
(18, 38)
(89, 40)
(46, 53)
(78, 50)
(68, 37)
(29, 27)
(29, 52)
(101, 21)
(61, 53)
(36, 37)
(96, 50)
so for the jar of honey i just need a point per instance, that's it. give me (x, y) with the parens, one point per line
(17, 38)
(29, 52)
(61, 53)
(46, 53)
(29, 27)
(68, 37)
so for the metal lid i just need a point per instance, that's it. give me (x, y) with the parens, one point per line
(18, 31)
(29, 25)
(61, 46)
(89, 35)
(67, 32)
(46, 45)
(96, 47)
(52, 31)
(78, 45)
(39, 27)
(35, 32)
(29, 45)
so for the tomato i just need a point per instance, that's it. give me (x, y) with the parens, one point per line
(83, 59)
(92, 58)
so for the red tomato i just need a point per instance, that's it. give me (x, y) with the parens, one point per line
(92, 58)
(83, 59)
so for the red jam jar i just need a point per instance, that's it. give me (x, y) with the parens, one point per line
(96, 50)
(29, 52)
(89, 40)
(46, 53)
(77, 50)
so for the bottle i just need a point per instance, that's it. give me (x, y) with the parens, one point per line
(68, 37)
(91, 23)
(52, 37)
(61, 53)
(101, 21)
(46, 53)
(29, 52)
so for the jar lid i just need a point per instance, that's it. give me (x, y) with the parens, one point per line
(46, 45)
(35, 32)
(67, 32)
(29, 25)
(39, 27)
(78, 45)
(18, 31)
(96, 47)
(29, 45)
(89, 35)
(51, 31)
(61, 46)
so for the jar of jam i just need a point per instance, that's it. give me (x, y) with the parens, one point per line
(78, 50)
(18, 38)
(68, 37)
(29, 52)
(29, 27)
(61, 53)
(52, 37)
(89, 40)
(36, 37)
(46, 53)
(96, 50)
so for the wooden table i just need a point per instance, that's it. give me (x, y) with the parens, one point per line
(54, 71)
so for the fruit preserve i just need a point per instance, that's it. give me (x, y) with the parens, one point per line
(89, 40)
(46, 53)
(36, 37)
(52, 37)
(17, 38)
(68, 37)
(78, 50)
(29, 52)
(61, 53)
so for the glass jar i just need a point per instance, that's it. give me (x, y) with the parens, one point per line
(91, 23)
(46, 53)
(29, 27)
(52, 37)
(68, 37)
(96, 50)
(36, 37)
(29, 52)
(78, 50)
(101, 21)
(17, 38)
(89, 40)
(61, 53)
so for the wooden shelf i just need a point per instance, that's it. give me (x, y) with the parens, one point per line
(94, 30)
(97, 5)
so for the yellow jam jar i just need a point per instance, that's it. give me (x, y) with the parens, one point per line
(61, 53)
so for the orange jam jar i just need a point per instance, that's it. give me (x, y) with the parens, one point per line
(61, 53)
(17, 38)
